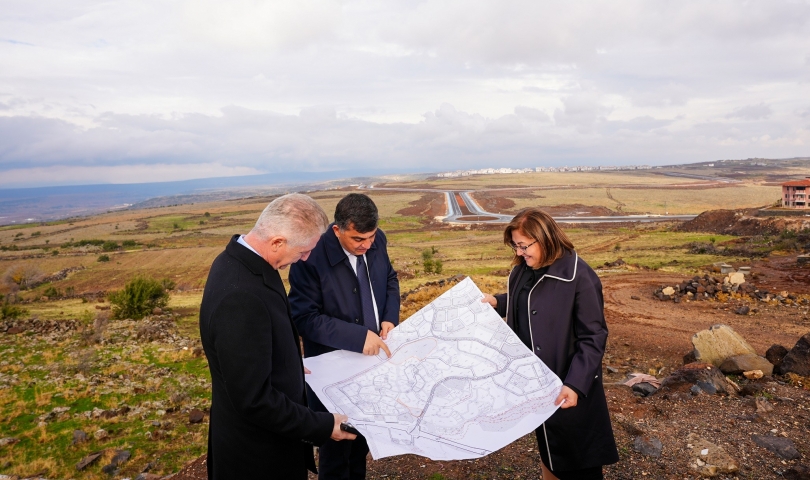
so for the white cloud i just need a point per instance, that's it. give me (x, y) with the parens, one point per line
(447, 83)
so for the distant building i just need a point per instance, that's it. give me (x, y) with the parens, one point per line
(794, 194)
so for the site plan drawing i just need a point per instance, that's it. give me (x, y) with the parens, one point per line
(459, 384)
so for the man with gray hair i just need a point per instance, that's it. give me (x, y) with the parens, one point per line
(260, 424)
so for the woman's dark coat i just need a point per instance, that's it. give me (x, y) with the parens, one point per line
(569, 333)
(260, 424)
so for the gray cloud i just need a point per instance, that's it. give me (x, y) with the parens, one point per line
(751, 112)
(328, 84)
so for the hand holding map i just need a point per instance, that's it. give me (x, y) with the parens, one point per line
(459, 384)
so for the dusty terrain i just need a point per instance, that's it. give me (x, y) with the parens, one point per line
(647, 335)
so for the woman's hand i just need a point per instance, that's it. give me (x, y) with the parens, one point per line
(490, 300)
(567, 398)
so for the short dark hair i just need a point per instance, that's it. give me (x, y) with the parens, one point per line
(358, 210)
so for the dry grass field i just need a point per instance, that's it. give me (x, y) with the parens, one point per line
(161, 379)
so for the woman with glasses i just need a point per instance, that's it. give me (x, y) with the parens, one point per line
(554, 305)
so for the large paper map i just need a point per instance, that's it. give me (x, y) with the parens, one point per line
(459, 384)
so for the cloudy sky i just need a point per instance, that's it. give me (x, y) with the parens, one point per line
(129, 91)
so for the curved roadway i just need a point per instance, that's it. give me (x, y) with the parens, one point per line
(479, 215)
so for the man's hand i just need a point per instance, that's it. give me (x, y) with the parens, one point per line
(374, 344)
(567, 398)
(337, 433)
(307, 371)
(490, 300)
(385, 327)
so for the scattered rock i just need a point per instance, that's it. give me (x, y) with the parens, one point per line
(709, 459)
(644, 388)
(157, 311)
(635, 297)
(753, 374)
(743, 363)
(781, 446)
(611, 369)
(649, 446)
(86, 461)
(752, 389)
(763, 406)
(736, 278)
(798, 359)
(8, 441)
(707, 378)
(196, 416)
(79, 437)
(100, 434)
(120, 458)
(718, 343)
(148, 476)
(743, 310)
(668, 291)
(799, 472)
(775, 355)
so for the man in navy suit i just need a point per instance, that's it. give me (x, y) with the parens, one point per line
(345, 296)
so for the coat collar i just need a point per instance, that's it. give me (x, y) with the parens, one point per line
(256, 264)
(334, 251)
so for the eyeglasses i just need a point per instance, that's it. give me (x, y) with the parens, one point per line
(522, 248)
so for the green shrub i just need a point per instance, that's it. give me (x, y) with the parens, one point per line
(138, 298)
(52, 292)
(55, 253)
(109, 246)
(36, 234)
(206, 215)
(10, 312)
(103, 258)
(82, 243)
(437, 266)
(129, 243)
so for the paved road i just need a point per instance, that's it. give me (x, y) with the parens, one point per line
(479, 215)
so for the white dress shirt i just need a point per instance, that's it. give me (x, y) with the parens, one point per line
(353, 263)
(241, 240)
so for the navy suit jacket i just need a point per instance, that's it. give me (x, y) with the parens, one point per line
(324, 299)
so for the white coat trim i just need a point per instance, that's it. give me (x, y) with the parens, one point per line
(576, 258)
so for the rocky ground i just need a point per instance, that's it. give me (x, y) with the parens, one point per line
(758, 431)
(761, 431)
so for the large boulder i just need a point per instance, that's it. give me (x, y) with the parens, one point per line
(697, 378)
(775, 355)
(798, 359)
(718, 343)
(745, 363)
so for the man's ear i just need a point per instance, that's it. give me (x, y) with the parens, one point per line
(276, 243)
(336, 229)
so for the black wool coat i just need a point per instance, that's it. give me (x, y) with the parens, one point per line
(260, 424)
(569, 334)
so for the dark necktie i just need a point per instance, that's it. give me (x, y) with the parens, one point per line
(369, 319)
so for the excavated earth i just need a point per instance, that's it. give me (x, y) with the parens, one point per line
(651, 336)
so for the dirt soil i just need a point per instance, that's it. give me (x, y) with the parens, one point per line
(429, 205)
(742, 222)
(648, 335)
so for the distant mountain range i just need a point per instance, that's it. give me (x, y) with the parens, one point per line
(39, 204)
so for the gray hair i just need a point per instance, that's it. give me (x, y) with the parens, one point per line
(294, 216)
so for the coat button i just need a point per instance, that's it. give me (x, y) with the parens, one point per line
(537, 348)
(534, 312)
(356, 320)
(354, 290)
